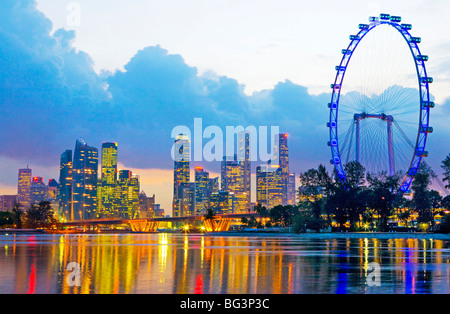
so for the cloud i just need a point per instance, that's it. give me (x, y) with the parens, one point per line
(50, 95)
(48, 90)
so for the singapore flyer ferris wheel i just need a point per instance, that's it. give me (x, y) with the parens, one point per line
(380, 104)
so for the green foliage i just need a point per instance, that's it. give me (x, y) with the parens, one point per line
(383, 197)
(6, 219)
(283, 215)
(261, 210)
(421, 200)
(17, 216)
(41, 216)
(304, 221)
(446, 168)
(444, 227)
(445, 203)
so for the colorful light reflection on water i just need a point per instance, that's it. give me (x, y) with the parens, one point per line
(174, 263)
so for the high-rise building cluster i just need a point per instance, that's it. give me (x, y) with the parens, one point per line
(275, 185)
(32, 191)
(83, 193)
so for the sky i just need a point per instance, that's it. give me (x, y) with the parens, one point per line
(131, 71)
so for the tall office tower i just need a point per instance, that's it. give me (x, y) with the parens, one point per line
(181, 171)
(220, 202)
(213, 185)
(291, 191)
(281, 157)
(53, 190)
(232, 181)
(38, 191)
(85, 180)
(261, 185)
(244, 156)
(126, 195)
(146, 206)
(202, 191)
(187, 203)
(65, 185)
(270, 186)
(24, 188)
(108, 181)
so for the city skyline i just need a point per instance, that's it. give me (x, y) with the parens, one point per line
(89, 185)
(141, 116)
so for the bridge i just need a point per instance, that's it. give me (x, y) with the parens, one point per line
(219, 223)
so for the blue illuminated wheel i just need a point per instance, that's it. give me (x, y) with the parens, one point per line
(379, 117)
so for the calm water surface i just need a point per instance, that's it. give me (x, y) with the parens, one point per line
(174, 263)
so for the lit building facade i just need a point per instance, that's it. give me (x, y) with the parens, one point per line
(108, 181)
(275, 185)
(38, 191)
(85, 181)
(24, 188)
(65, 185)
(7, 203)
(187, 200)
(202, 191)
(220, 202)
(291, 190)
(181, 172)
(146, 206)
(126, 195)
(232, 181)
(244, 156)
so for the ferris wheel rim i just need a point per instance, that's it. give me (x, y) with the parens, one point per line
(424, 80)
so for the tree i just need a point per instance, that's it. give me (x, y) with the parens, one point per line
(446, 167)
(355, 174)
(6, 219)
(283, 214)
(421, 198)
(18, 215)
(41, 216)
(445, 203)
(382, 196)
(261, 210)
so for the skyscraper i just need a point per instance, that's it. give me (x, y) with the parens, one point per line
(213, 185)
(181, 171)
(281, 157)
(291, 190)
(187, 202)
(85, 180)
(147, 205)
(232, 181)
(108, 181)
(244, 156)
(202, 191)
(24, 188)
(38, 191)
(126, 195)
(65, 185)
(274, 180)
(7, 202)
(270, 186)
